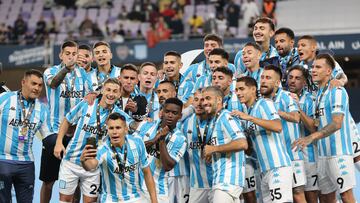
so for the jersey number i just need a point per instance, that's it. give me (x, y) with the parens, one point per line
(356, 146)
(186, 197)
(94, 189)
(275, 194)
(340, 181)
(250, 181)
(316, 177)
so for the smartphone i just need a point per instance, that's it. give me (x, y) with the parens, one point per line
(91, 141)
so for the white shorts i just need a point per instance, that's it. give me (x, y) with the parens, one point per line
(226, 196)
(198, 195)
(336, 173)
(141, 199)
(160, 198)
(355, 138)
(70, 175)
(250, 180)
(312, 178)
(179, 188)
(299, 176)
(276, 185)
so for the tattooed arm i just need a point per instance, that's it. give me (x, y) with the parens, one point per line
(59, 77)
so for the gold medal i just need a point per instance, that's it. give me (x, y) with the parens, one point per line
(316, 122)
(24, 131)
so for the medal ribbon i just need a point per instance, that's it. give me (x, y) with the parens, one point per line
(118, 160)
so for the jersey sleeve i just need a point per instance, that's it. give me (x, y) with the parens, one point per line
(45, 128)
(337, 71)
(289, 104)
(49, 74)
(101, 154)
(76, 112)
(177, 148)
(238, 62)
(232, 127)
(87, 81)
(188, 89)
(338, 100)
(268, 111)
(144, 162)
(309, 108)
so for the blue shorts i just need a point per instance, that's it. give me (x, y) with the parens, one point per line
(22, 176)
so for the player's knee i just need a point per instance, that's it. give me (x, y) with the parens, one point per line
(298, 190)
(48, 185)
(347, 196)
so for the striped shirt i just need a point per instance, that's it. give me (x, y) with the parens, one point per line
(290, 130)
(231, 102)
(176, 146)
(270, 150)
(307, 105)
(200, 171)
(12, 122)
(98, 78)
(195, 71)
(115, 187)
(272, 54)
(334, 101)
(68, 94)
(184, 87)
(228, 168)
(84, 116)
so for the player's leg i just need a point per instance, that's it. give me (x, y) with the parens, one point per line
(172, 189)
(249, 193)
(68, 180)
(199, 195)
(24, 183)
(7, 172)
(326, 186)
(280, 185)
(222, 196)
(299, 181)
(89, 184)
(183, 188)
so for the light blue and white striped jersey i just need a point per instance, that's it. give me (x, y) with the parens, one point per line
(228, 168)
(200, 171)
(195, 71)
(63, 98)
(289, 60)
(256, 75)
(334, 74)
(12, 122)
(84, 116)
(184, 88)
(239, 64)
(307, 105)
(153, 100)
(231, 102)
(116, 188)
(98, 78)
(290, 131)
(334, 101)
(176, 146)
(270, 150)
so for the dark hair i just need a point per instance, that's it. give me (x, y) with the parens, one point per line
(216, 90)
(252, 44)
(68, 44)
(300, 68)
(224, 70)
(214, 37)
(116, 116)
(221, 52)
(328, 59)
(167, 82)
(146, 64)
(85, 47)
(249, 81)
(175, 101)
(276, 69)
(308, 37)
(287, 31)
(266, 20)
(33, 72)
(101, 43)
(172, 53)
(129, 66)
(112, 81)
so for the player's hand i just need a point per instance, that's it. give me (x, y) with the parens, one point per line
(163, 132)
(90, 98)
(131, 106)
(70, 65)
(336, 83)
(240, 115)
(295, 97)
(207, 152)
(81, 61)
(58, 149)
(88, 153)
(301, 143)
